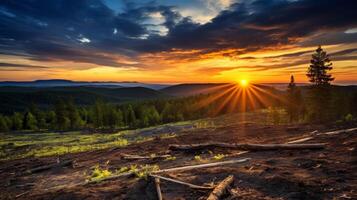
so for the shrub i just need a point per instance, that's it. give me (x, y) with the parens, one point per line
(219, 156)
(99, 174)
(198, 158)
(348, 117)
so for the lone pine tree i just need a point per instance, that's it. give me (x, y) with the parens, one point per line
(320, 97)
(319, 67)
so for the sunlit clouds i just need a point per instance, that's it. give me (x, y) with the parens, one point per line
(175, 41)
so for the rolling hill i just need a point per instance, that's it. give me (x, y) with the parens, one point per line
(18, 98)
(69, 83)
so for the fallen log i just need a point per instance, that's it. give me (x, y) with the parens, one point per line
(158, 189)
(202, 165)
(248, 147)
(50, 166)
(221, 188)
(193, 186)
(137, 157)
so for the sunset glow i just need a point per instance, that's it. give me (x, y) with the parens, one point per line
(244, 83)
(174, 41)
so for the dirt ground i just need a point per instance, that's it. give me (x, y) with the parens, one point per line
(330, 173)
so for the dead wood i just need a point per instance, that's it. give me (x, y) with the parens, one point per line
(25, 185)
(50, 166)
(137, 157)
(338, 131)
(300, 140)
(203, 165)
(249, 147)
(193, 186)
(158, 189)
(221, 188)
(22, 194)
(174, 169)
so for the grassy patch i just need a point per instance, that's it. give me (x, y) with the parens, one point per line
(170, 158)
(14, 146)
(219, 156)
(98, 174)
(140, 171)
(198, 158)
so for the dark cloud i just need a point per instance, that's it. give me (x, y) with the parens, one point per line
(265, 23)
(344, 52)
(11, 65)
(53, 30)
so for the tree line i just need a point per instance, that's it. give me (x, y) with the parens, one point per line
(320, 102)
(66, 115)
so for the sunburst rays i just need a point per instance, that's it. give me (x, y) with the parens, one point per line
(242, 97)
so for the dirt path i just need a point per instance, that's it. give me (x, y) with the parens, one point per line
(321, 174)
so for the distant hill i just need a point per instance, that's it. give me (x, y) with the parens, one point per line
(189, 89)
(282, 86)
(69, 83)
(18, 98)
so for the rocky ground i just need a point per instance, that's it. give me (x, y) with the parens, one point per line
(330, 173)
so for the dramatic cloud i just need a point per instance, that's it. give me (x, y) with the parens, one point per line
(127, 34)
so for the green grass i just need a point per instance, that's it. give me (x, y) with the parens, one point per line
(142, 171)
(14, 146)
(99, 174)
(34, 144)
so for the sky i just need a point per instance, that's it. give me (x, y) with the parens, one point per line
(175, 41)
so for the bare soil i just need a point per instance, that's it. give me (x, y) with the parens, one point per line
(330, 173)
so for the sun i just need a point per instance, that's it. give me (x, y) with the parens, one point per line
(244, 83)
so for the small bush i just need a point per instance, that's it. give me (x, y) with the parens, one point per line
(99, 174)
(348, 117)
(141, 171)
(145, 170)
(219, 156)
(198, 158)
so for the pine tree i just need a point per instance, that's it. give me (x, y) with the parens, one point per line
(320, 92)
(73, 115)
(62, 120)
(292, 85)
(17, 121)
(130, 116)
(41, 120)
(319, 67)
(3, 124)
(98, 114)
(294, 100)
(51, 119)
(30, 121)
